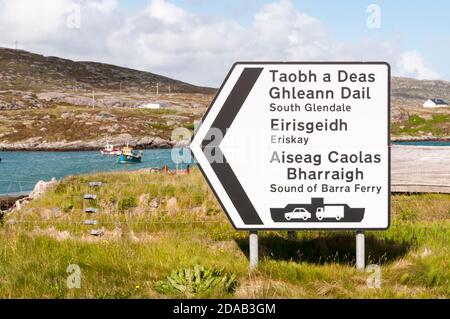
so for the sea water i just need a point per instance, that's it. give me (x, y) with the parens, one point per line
(20, 171)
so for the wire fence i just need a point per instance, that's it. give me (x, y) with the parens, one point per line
(103, 197)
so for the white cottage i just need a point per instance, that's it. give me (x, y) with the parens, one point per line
(435, 103)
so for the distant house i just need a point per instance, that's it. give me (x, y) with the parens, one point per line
(435, 103)
(150, 106)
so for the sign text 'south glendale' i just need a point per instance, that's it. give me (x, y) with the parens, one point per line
(300, 145)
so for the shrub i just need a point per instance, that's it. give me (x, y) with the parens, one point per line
(416, 120)
(199, 280)
(67, 207)
(127, 203)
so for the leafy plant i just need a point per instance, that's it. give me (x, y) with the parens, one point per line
(67, 206)
(199, 280)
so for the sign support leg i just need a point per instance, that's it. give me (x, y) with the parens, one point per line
(292, 235)
(360, 250)
(253, 248)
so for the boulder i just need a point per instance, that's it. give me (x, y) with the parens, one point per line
(41, 187)
(143, 200)
(172, 205)
(154, 204)
(66, 115)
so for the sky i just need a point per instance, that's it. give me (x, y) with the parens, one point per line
(198, 40)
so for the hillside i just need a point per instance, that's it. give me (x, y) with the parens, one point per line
(49, 103)
(25, 71)
(410, 120)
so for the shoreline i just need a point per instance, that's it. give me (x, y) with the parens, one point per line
(8, 201)
(87, 149)
(89, 146)
(164, 145)
(419, 139)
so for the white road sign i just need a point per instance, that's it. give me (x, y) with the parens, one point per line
(300, 145)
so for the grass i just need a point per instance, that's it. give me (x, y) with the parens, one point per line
(438, 125)
(166, 223)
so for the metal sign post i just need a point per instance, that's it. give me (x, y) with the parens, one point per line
(253, 250)
(360, 251)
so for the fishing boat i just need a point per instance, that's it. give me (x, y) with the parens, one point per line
(128, 155)
(110, 150)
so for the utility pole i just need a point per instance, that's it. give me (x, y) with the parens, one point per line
(157, 88)
(16, 45)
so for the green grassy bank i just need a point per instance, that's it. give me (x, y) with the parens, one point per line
(153, 224)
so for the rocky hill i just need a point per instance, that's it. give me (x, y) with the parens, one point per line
(48, 103)
(29, 80)
(53, 103)
(22, 70)
(410, 120)
(408, 95)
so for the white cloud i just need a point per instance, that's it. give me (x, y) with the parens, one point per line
(166, 12)
(31, 20)
(412, 64)
(163, 38)
(105, 6)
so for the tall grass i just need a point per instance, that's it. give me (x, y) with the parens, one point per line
(168, 222)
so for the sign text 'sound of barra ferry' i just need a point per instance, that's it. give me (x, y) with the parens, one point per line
(300, 145)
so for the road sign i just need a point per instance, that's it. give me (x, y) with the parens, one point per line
(300, 145)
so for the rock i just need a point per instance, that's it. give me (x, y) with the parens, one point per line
(19, 204)
(66, 115)
(50, 96)
(175, 117)
(41, 187)
(37, 143)
(65, 98)
(45, 214)
(398, 115)
(104, 115)
(56, 212)
(172, 205)
(97, 232)
(160, 143)
(143, 200)
(146, 141)
(123, 139)
(111, 128)
(154, 204)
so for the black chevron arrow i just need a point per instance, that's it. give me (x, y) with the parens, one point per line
(223, 121)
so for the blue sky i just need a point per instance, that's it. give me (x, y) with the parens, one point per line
(414, 25)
